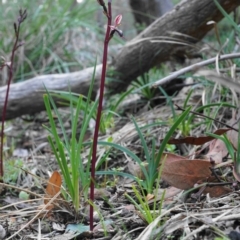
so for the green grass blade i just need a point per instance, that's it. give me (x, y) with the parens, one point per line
(227, 16)
(227, 142)
(169, 101)
(180, 119)
(128, 152)
(59, 120)
(143, 142)
(200, 109)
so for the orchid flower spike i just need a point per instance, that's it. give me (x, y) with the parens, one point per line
(114, 28)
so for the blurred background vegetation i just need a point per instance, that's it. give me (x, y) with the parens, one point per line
(60, 36)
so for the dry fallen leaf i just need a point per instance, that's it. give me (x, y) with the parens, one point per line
(149, 197)
(217, 148)
(184, 174)
(217, 191)
(136, 170)
(53, 186)
(217, 151)
(197, 140)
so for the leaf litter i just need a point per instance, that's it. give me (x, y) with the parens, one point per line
(196, 197)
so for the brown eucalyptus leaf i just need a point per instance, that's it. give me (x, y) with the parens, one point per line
(184, 174)
(197, 140)
(215, 190)
(53, 186)
(136, 170)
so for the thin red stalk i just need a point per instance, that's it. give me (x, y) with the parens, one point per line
(10, 68)
(99, 112)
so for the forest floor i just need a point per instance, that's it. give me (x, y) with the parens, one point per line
(176, 215)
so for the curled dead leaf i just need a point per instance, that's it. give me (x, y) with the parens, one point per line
(53, 186)
(217, 151)
(149, 197)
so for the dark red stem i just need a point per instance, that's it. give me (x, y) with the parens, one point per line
(10, 76)
(99, 112)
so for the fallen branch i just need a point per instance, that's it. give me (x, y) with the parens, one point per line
(136, 57)
(194, 68)
(166, 37)
(27, 97)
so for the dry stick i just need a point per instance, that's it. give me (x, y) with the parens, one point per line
(21, 189)
(149, 229)
(221, 217)
(99, 111)
(204, 116)
(19, 202)
(193, 67)
(38, 214)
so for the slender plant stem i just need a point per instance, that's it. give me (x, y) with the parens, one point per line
(10, 76)
(99, 112)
